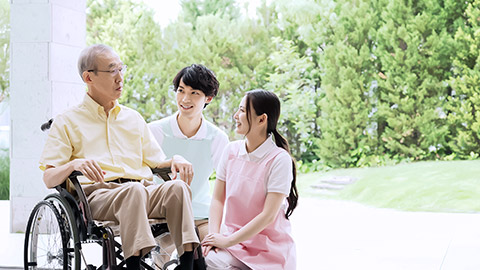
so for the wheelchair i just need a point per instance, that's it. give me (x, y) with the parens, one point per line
(61, 224)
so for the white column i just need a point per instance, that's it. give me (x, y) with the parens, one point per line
(46, 39)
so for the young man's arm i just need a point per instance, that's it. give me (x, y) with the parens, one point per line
(153, 152)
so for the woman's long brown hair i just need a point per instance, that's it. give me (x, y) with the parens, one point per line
(266, 102)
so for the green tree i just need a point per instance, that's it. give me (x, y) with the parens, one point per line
(296, 90)
(372, 78)
(130, 29)
(414, 48)
(464, 108)
(293, 68)
(4, 48)
(192, 9)
(348, 79)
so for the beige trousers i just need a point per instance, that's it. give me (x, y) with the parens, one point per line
(131, 204)
(202, 226)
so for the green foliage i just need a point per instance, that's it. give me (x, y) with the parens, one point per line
(362, 83)
(412, 118)
(293, 70)
(4, 174)
(130, 29)
(348, 75)
(4, 48)
(290, 81)
(311, 166)
(465, 97)
(193, 9)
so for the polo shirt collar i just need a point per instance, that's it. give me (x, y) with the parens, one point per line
(201, 132)
(96, 108)
(261, 151)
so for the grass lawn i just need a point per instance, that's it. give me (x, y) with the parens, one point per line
(437, 186)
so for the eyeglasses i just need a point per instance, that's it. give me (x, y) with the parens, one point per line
(113, 72)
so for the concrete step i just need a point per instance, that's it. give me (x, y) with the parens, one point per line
(339, 180)
(334, 182)
(327, 186)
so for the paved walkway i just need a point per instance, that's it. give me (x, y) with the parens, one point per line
(337, 235)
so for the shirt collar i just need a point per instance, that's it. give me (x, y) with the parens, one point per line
(261, 151)
(96, 108)
(201, 132)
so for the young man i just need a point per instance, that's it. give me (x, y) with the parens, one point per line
(188, 134)
(114, 149)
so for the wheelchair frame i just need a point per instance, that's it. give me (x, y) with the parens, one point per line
(63, 223)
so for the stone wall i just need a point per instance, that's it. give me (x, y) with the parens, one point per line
(46, 39)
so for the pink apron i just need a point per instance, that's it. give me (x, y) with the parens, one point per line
(273, 248)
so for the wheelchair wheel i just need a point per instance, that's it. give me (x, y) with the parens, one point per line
(49, 237)
(71, 230)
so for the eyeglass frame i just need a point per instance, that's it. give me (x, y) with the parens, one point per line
(113, 72)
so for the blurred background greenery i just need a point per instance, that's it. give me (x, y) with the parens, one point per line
(4, 174)
(363, 83)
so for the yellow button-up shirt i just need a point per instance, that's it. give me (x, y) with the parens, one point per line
(121, 143)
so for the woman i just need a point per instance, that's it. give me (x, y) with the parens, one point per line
(254, 177)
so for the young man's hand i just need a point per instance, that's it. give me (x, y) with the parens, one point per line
(183, 167)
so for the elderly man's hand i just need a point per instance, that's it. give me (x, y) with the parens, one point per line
(183, 167)
(89, 168)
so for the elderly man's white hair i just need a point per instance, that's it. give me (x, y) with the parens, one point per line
(88, 57)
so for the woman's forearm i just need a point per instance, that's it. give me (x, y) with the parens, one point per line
(216, 207)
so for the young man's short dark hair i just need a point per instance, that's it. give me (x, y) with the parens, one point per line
(198, 77)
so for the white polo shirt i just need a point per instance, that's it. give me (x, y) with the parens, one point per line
(203, 150)
(279, 178)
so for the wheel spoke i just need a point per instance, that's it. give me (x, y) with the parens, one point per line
(50, 243)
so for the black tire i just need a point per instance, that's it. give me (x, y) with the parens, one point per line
(48, 238)
(71, 230)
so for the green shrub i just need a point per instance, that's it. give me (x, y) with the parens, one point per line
(4, 174)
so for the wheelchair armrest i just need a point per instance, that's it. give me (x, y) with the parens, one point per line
(81, 195)
(162, 173)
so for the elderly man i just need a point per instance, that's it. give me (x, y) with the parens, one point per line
(114, 149)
